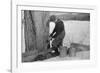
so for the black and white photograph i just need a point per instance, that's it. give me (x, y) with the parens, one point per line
(48, 37)
(54, 36)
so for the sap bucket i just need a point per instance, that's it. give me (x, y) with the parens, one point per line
(63, 51)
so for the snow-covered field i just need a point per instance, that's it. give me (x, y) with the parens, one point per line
(77, 32)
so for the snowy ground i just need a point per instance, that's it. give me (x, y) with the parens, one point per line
(85, 55)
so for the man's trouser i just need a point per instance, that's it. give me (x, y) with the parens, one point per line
(58, 41)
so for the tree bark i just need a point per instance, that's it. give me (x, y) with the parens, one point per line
(30, 33)
(36, 30)
(42, 30)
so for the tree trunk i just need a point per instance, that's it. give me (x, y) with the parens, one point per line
(42, 30)
(36, 30)
(30, 33)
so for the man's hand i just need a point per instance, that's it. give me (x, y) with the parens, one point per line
(50, 38)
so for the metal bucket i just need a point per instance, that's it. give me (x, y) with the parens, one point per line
(63, 51)
(72, 52)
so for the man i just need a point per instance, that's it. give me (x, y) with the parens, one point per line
(57, 34)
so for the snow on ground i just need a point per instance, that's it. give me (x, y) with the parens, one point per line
(85, 55)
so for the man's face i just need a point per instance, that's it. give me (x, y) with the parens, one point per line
(52, 18)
